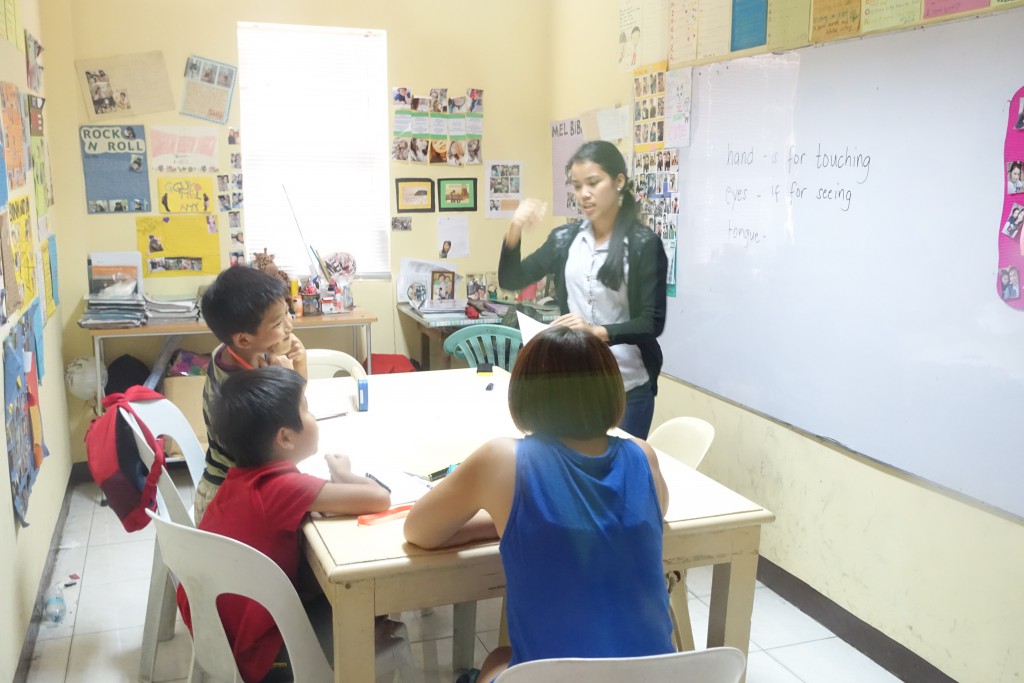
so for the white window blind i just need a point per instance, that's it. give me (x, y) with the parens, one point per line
(314, 130)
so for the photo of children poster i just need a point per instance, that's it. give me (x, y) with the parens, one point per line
(184, 149)
(115, 168)
(566, 138)
(209, 86)
(504, 188)
(178, 245)
(125, 85)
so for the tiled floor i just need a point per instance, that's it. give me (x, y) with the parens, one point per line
(99, 639)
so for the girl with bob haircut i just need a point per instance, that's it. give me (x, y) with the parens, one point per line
(579, 512)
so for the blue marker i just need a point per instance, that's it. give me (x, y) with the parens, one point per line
(361, 394)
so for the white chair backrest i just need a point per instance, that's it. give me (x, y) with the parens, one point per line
(164, 419)
(687, 439)
(208, 566)
(325, 363)
(168, 498)
(714, 665)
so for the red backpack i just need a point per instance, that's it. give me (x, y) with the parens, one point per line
(130, 487)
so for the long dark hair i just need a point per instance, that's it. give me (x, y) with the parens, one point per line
(608, 157)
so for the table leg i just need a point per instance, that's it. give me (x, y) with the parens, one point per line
(424, 351)
(369, 349)
(97, 352)
(463, 635)
(732, 602)
(352, 606)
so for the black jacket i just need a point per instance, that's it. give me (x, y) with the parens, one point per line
(648, 272)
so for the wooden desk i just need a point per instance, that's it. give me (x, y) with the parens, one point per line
(357, 319)
(424, 421)
(440, 325)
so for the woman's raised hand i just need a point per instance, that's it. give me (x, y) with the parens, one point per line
(529, 213)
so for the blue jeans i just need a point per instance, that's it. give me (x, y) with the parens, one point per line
(639, 411)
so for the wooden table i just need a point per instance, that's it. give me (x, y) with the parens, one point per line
(423, 421)
(357, 319)
(439, 325)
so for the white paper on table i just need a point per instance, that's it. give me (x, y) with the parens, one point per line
(405, 487)
(529, 327)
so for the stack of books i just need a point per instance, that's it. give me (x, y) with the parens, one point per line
(161, 311)
(110, 312)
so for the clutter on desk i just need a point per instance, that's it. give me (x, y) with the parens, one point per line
(413, 284)
(160, 311)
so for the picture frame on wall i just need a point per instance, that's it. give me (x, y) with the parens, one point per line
(414, 195)
(456, 194)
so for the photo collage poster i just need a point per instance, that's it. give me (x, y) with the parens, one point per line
(438, 128)
(504, 188)
(178, 245)
(209, 87)
(115, 168)
(1011, 227)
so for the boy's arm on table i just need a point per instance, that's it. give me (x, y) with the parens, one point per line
(347, 493)
(456, 510)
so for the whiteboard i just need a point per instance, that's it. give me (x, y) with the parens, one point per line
(837, 256)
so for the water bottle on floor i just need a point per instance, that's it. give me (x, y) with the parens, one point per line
(54, 607)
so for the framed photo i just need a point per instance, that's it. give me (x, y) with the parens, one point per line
(414, 195)
(442, 285)
(456, 194)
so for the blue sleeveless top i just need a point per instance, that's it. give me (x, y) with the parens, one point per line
(582, 554)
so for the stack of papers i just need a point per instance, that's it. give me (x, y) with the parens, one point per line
(160, 311)
(109, 312)
(442, 306)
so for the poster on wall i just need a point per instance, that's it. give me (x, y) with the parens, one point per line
(566, 138)
(125, 85)
(504, 188)
(11, 294)
(24, 246)
(185, 194)
(209, 86)
(22, 420)
(115, 168)
(33, 65)
(649, 108)
(178, 245)
(184, 149)
(15, 135)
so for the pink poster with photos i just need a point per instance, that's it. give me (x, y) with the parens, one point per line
(1011, 239)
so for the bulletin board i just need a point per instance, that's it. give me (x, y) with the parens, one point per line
(838, 248)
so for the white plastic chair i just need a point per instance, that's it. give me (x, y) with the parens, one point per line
(321, 363)
(163, 418)
(161, 608)
(687, 439)
(714, 665)
(209, 565)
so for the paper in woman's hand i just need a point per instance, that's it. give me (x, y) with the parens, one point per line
(529, 327)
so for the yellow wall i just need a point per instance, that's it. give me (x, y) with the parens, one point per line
(939, 575)
(935, 573)
(25, 548)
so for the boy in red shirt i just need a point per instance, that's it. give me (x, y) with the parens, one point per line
(266, 427)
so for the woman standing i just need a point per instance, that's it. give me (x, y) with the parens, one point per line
(609, 271)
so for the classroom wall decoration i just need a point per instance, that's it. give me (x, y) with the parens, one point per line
(209, 86)
(504, 188)
(184, 149)
(12, 295)
(15, 135)
(24, 246)
(124, 85)
(836, 270)
(33, 65)
(566, 138)
(440, 128)
(39, 156)
(414, 195)
(185, 194)
(1010, 239)
(178, 245)
(115, 168)
(22, 419)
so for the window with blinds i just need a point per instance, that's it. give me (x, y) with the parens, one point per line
(315, 145)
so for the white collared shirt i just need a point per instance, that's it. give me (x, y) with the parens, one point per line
(599, 305)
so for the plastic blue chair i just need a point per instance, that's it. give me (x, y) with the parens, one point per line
(495, 344)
